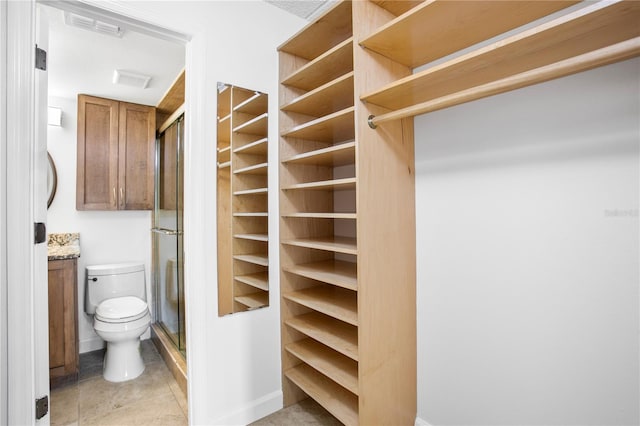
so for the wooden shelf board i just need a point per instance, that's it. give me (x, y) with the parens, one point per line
(252, 191)
(224, 165)
(257, 104)
(225, 149)
(256, 169)
(322, 215)
(335, 244)
(436, 29)
(253, 300)
(258, 147)
(251, 214)
(325, 32)
(335, 399)
(326, 99)
(253, 237)
(335, 272)
(256, 259)
(342, 370)
(338, 335)
(255, 126)
(397, 7)
(335, 127)
(335, 184)
(595, 26)
(337, 155)
(335, 302)
(174, 97)
(326, 67)
(258, 280)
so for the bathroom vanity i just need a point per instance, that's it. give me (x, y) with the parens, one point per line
(63, 251)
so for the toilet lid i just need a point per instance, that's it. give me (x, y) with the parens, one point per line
(121, 309)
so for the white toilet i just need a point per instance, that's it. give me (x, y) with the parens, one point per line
(116, 295)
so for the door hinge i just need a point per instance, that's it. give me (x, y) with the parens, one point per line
(41, 59)
(42, 407)
(39, 232)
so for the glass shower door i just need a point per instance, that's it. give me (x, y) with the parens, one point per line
(167, 235)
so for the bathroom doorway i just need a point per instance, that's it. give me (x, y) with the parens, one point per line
(83, 60)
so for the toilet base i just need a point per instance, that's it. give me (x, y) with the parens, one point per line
(123, 361)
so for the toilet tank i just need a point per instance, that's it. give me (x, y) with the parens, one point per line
(113, 280)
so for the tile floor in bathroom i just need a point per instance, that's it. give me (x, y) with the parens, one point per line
(154, 399)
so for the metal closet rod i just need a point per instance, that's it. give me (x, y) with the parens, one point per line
(604, 56)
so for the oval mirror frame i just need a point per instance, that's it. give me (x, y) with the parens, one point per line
(52, 179)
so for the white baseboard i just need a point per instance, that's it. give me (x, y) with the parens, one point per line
(253, 410)
(420, 422)
(92, 344)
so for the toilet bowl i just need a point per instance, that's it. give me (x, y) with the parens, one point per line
(116, 296)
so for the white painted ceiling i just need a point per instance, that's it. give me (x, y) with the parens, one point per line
(306, 9)
(82, 61)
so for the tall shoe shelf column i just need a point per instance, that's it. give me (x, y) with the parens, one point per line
(225, 263)
(249, 122)
(348, 328)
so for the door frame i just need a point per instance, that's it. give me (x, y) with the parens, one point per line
(20, 323)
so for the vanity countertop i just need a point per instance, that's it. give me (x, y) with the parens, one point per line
(63, 246)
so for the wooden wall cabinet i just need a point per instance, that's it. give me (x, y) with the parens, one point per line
(116, 155)
(63, 321)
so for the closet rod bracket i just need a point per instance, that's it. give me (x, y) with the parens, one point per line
(370, 122)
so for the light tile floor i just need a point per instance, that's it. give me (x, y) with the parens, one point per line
(306, 412)
(154, 398)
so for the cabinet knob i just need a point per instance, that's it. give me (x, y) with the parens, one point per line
(94, 279)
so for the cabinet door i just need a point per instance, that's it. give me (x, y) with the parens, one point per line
(136, 161)
(63, 321)
(97, 170)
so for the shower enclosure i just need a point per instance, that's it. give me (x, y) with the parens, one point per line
(168, 256)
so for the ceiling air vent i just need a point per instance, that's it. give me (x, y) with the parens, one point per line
(129, 78)
(91, 24)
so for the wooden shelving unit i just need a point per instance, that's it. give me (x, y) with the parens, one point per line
(243, 283)
(597, 34)
(347, 190)
(223, 182)
(446, 27)
(336, 258)
(347, 225)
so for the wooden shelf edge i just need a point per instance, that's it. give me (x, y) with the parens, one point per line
(335, 399)
(347, 183)
(336, 244)
(255, 168)
(253, 300)
(252, 191)
(335, 149)
(251, 145)
(319, 121)
(321, 215)
(306, 68)
(331, 301)
(252, 237)
(334, 272)
(258, 280)
(256, 259)
(337, 367)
